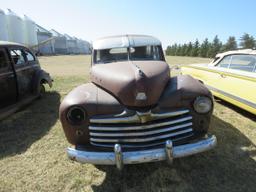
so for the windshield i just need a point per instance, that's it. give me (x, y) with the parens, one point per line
(125, 54)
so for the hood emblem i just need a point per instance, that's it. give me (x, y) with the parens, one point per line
(144, 116)
(141, 96)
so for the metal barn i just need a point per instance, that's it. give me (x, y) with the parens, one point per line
(45, 46)
(60, 42)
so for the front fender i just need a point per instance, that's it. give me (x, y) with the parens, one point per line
(181, 92)
(41, 77)
(95, 101)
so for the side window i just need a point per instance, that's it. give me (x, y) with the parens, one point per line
(3, 59)
(243, 62)
(17, 57)
(29, 56)
(224, 63)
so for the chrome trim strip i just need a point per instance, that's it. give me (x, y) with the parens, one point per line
(218, 70)
(105, 140)
(140, 127)
(246, 102)
(143, 145)
(135, 157)
(144, 133)
(137, 118)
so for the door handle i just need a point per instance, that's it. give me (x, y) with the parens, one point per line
(223, 75)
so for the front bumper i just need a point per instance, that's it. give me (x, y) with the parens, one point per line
(118, 158)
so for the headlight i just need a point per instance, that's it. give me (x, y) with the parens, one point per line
(202, 104)
(76, 115)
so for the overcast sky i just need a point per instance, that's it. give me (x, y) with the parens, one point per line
(169, 20)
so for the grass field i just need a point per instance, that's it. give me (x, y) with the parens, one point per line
(32, 148)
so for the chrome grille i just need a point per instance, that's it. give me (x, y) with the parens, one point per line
(136, 129)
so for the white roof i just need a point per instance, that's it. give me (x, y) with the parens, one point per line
(241, 51)
(56, 33)
(10, 43)
(125, 41)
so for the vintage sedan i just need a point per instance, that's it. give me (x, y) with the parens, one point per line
(231, 76)
(132, 111)
(21, 78)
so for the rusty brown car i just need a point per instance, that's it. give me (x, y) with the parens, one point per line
(21, 78)
(132, 111)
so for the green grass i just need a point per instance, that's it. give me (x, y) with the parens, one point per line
(32, 148)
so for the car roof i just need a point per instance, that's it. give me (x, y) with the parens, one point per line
(8, 43)
(125, 41)
(241, 51)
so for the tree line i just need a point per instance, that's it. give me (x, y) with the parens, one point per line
(210, 49)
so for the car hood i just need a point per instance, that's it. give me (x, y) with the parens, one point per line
(133, 83)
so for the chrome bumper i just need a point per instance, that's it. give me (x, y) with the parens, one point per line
(118, 158)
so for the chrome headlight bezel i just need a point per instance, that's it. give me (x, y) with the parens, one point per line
(76, 115)
(203, 104)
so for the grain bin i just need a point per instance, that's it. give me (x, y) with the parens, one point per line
(29, 31)
(3, 26)
(16, 31)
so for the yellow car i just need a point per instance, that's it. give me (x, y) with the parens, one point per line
(231, 76)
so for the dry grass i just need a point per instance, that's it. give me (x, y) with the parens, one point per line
(68, 65)
(32, 148)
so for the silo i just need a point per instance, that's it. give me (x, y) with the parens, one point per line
(15, 27)
(30, 33)
(3, 26)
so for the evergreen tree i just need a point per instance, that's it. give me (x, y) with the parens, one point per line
(247, 41)
(189, 49)
(204, 48)
(195, 49)
(174, 49)
(214, 48)
(184, 49)
(231, 44)
(168, 50)
(178, 51)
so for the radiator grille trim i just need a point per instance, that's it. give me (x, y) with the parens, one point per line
(135, 129)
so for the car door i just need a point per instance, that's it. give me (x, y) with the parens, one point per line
(24, 71)
(237, 80)
(8, 87)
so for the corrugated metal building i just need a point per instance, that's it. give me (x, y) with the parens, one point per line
(71, 45)
(21, 29)
(46, 46)
(83, 47)
(60, 42)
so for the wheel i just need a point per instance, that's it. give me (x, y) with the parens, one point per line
(41, 90)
